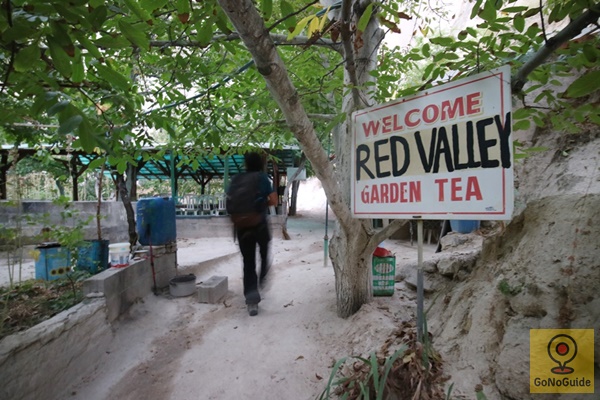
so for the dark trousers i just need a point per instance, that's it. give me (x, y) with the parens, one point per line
(248, 238)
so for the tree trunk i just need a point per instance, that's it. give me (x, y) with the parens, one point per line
(124, 196)
(294, 198)
(351, 259)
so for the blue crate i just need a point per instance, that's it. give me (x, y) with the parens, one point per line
(53, 262)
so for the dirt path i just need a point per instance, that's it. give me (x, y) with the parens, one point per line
(177, 348)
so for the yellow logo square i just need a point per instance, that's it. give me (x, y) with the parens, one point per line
(561, 361)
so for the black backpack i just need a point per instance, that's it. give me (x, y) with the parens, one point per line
(245, 205)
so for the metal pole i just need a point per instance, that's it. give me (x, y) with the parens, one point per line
(420, 291)
(174, 193)
(326, 237)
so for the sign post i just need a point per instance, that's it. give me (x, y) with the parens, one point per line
(420, 289)
(444, 153)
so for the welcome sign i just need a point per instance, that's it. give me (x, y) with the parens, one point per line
(444, 153)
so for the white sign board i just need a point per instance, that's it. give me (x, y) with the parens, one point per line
(292, 170)
(444, 153)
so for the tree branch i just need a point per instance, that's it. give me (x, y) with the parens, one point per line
(277, 39)
(322, 117)
(589, 17)
(250, 26)
(13, 49)
(348, 51)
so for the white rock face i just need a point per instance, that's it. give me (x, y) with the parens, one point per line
(542, 271)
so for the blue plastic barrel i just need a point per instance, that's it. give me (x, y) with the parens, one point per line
(463, 226)
(156, 221)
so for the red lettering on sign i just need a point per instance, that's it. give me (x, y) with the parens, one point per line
(454, 189)
(388, 193)
(472, 191)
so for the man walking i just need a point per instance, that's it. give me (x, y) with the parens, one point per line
(248, 198)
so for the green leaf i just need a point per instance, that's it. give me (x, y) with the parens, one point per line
(134, 35)
(205, 33)
(61, 60)
(521, 113)
(584, 85)
(590, 52)
(442, 41)
(183, 6)
(514, 9)
(222, 22)
(475, 9)
(118, 42)
(524, 124)
(57, 107)
(136, 9)
(78, 70)
(26, 58)
(38, 105)
(449, 56)
(426, 49)
(86, 139)
(427, 71)
(153, 5)
(113, 77)
(519, 23)
(88, 45)
(96, 163)
(531, 12)
(286, 11)
(489, 11)
(558, 13)
(122, 166)
(98, 17)
(365, 18)
(70, 124)
(267, 9)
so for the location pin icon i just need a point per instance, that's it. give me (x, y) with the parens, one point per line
(562, 349)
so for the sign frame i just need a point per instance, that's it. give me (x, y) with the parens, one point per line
(442, 153)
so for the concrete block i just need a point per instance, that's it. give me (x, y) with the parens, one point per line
(212, 290)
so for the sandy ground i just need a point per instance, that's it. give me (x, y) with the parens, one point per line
(176, 348)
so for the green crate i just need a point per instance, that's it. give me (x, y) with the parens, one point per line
(384, 275)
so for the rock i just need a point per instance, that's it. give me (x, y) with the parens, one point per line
(411, 281)
(455, 262)
(429, 266)
(457, 241)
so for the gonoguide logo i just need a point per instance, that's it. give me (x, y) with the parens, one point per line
(561, 360)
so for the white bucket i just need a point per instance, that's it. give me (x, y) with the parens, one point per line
(119, 254)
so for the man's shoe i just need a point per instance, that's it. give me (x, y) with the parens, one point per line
(252, 309)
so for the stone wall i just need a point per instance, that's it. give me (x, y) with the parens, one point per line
(217, 226)
(33, 216)
(40, 362)
(36, 215)
(121, 287)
